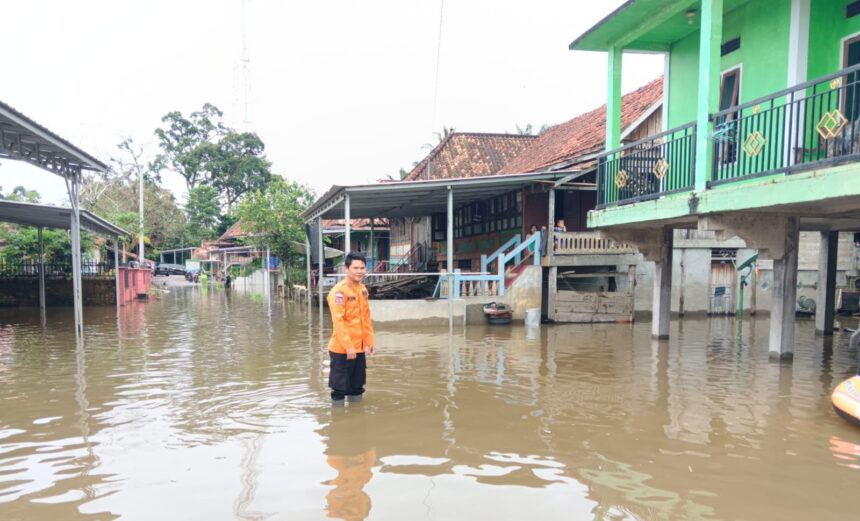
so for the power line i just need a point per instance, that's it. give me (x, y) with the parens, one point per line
(436, 81)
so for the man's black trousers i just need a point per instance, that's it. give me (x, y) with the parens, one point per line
(346, 377)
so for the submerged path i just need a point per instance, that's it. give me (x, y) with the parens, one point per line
(211, 405)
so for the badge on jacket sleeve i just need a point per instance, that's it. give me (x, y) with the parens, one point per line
(338, 298)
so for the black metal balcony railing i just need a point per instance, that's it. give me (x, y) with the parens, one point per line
(648, 168)
(54, 270)
(809, 125)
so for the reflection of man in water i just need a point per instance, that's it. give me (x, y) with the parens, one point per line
(349, 453)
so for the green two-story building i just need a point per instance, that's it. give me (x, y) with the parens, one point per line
(762, 101)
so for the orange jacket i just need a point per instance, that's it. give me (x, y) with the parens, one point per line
(350, 316)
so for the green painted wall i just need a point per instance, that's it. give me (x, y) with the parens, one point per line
(763, 26)
(827, 27)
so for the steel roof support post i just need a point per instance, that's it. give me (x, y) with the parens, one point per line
(613, 102)
(41, 276)
(320, 251)
(708, 100)
(116, 271)
(450, 252)
(73, 187)
(346, 219)
(550, 229)
(372, 253)
(308, 268)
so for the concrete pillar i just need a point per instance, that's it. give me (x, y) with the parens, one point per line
(826, 300)
(346, 219)
(784, 295)
(613, 101)
(661, 308)
(708, 100)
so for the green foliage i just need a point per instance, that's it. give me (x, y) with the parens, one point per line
(529, 130)
(21, 244)
(273, 214)
(224, 223)
(203, 150)
(237, 166)
(184, 141)
(21, 194)
(114, 195)
(203, 213)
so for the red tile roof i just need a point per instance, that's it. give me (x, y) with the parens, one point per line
(468, 154)
(233, 232)
(584, 134)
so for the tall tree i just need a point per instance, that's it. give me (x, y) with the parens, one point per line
(237, 165)
(203, 150)
(184, 142)
(114, 195)
(203, 212)
(273, 214)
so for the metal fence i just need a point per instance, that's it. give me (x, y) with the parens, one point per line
(810, 125)
(648, 168)
(54, 270)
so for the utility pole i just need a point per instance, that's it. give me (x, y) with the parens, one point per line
(140, 226)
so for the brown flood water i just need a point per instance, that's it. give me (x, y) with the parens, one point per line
(207, 406)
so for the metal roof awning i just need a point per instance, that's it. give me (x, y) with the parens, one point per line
(47, 216)
(23, 139)
(646, 25)
(330, 253)
(418, 198)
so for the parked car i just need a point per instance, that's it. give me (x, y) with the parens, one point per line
(169, 269)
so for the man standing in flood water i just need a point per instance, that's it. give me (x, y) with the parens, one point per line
(352, 334)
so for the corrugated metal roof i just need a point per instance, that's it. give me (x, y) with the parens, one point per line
(47, 216)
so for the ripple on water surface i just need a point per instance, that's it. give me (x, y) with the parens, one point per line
(215, 405)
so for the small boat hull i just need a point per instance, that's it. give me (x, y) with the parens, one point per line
(846, 400)
(498, 314)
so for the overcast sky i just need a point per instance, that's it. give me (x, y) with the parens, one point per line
(341, 91)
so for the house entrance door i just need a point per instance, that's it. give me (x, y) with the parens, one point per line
(723, 283)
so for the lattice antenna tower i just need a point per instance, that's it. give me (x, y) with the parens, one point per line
(246, 64)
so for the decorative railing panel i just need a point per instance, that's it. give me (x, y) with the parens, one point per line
(810, 125)
(651, 167)
(585, 243)
(54, 270)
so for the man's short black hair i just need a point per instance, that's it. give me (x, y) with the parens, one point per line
(354, 256)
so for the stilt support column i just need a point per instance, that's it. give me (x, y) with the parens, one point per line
(784, 295)
(661, 309)
(826, 300)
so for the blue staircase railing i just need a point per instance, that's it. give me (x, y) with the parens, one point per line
(501, 259)
(513, 241)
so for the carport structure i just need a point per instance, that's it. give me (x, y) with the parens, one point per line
(23, 139)
(416, 199)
